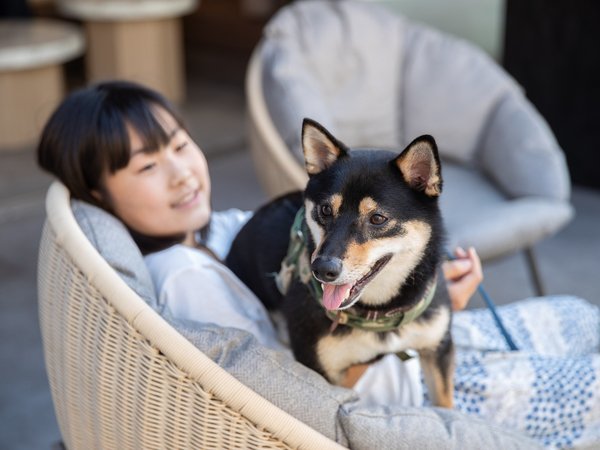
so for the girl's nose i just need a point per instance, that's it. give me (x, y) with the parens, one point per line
(180, 172)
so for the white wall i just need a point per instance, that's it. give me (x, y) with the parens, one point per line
(480, 21)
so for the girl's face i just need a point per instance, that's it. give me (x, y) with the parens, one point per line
(165, 192)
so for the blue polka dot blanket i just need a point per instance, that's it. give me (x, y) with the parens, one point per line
(550, 388)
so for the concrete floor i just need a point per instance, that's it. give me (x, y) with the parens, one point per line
(569, 261)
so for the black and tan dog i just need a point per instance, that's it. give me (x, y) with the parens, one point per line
(360, 267)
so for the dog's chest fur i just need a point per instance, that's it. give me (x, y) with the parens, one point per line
(337, 352)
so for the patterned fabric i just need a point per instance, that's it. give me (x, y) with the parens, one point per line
(550, 388)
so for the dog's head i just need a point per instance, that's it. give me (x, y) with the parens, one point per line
(372, 214)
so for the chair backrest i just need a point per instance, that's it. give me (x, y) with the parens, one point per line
(122, 377)
(373, 78)
(339, 64)
(278, 169)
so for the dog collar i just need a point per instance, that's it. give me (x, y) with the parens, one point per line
(296, 264)
(296, 261)
(371, 319)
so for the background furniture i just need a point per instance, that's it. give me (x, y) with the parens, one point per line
(376, 79)
(135, 40)
(32, 52)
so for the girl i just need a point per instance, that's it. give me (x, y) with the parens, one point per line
(125, 149)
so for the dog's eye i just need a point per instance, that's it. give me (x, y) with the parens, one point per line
(326, 210)
(378, 219)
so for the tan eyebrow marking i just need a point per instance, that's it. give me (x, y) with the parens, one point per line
(366, 206)
(336, 204)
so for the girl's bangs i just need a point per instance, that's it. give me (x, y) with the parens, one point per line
(140, 116)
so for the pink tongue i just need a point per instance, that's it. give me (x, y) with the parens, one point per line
(334, 295)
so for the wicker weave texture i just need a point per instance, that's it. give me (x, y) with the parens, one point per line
(111, 388)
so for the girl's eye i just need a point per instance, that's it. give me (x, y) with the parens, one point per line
(326, 210)
(378, 219)
(181, 146)
(147, 167)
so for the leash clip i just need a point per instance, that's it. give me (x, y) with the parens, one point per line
(340, 318)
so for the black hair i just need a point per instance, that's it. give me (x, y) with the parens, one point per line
(87, 134)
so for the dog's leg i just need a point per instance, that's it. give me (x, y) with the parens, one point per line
(438, 371)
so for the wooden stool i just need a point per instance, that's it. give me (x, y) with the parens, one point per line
(135, 40)
(31, 75)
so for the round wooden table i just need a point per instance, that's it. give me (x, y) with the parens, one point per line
(134, 40)
(32, 52)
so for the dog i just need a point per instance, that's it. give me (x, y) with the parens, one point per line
(359, 274)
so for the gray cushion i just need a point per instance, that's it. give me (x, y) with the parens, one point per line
(337, 81)
(425, 429)
(519, 152)
(449, 90)
(490, 221)
(374, 78)
(112, 240)
(332, 411)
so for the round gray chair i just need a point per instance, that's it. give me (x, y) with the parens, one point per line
(373, 78)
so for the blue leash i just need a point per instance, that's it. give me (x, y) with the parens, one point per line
(492, 307)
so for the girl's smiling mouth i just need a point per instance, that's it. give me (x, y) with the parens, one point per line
(188, 199)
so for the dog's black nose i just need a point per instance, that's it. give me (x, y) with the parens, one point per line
(327, 268)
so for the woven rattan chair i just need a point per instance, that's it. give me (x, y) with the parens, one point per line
(121, 377)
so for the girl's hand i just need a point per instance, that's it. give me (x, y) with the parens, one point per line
(463, 275)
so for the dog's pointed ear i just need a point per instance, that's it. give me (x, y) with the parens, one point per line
(320, 148)
(419, 164)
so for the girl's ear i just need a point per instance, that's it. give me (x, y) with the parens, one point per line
(320, 148)
(102, 198)
(97, 195)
